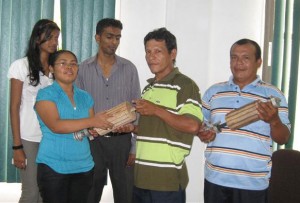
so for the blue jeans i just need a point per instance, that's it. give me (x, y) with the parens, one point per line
(152, 196)
(217, 193)
(63, 188)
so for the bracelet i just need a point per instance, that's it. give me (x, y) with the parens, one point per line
(17, 147)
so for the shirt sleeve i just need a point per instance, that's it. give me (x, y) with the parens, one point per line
(90, 101)
(18, 70)
(206, 106)
(78, 81)
(189, 101)
(135, 85)
(283, 111)
(135, 94)
(45, 95)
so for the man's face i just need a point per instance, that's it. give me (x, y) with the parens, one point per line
(159, 60)
(243, 64)
(109, 40)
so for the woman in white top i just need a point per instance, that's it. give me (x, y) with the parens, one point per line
(28, 75)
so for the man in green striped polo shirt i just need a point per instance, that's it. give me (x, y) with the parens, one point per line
(170, 116)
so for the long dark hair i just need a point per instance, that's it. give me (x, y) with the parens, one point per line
(43, 26)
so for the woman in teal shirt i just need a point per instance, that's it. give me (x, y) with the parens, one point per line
(65, 165)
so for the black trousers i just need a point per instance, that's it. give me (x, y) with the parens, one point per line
(149, 196)
(111, 154)
(215, 193)
(63, 188)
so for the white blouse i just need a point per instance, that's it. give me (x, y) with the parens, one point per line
(29, 125)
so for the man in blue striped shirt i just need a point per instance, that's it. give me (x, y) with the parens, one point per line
(238, 162)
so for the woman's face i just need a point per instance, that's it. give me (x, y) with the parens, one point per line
(65, 68)
(50, 46)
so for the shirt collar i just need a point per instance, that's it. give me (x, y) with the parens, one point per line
(93, 61)
(169, 77)
(57, 86)
(253, 83)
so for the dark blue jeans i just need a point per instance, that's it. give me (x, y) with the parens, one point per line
(152, 196)
(63, 188)
(217, 193)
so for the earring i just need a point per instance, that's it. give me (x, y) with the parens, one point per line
(51, 75)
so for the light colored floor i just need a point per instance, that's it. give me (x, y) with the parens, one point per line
(10, 193)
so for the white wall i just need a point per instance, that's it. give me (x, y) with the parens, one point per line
(205, 30)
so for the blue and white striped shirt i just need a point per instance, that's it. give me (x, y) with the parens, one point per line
(241, 158)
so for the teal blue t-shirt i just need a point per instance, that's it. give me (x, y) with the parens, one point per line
(62, 152)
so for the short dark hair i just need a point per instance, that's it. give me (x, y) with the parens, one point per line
(53, 57)
(107, 22)
(249, 41)
(162, 34)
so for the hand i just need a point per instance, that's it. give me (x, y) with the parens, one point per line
(267, 112)
(127, 128)
(206, 135)
(145, 107)
(131, 160)
(19, 158)
(93, 132)
(101, 121)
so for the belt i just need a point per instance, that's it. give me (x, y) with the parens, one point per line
(112, 134)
